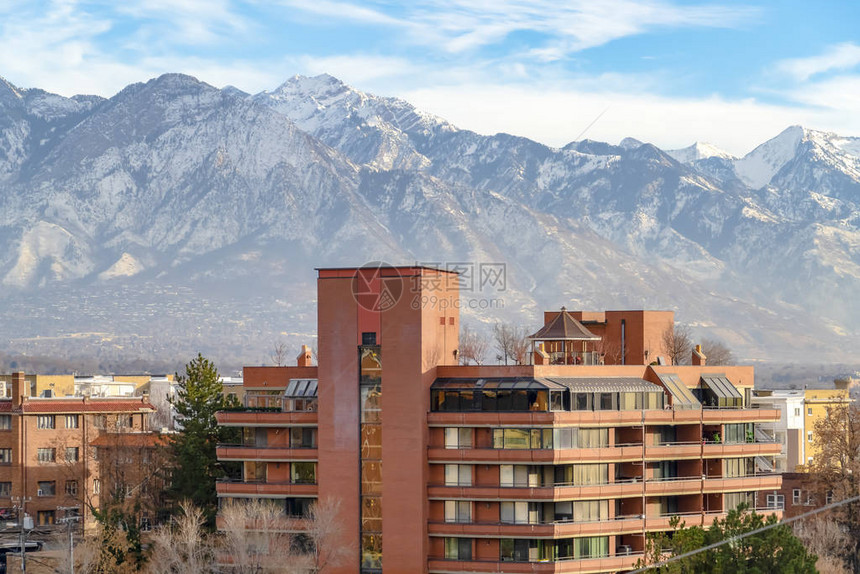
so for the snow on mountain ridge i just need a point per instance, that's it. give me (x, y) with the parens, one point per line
(698, 151)
(174, 175)
(758, 167)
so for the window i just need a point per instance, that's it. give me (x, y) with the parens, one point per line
(46, 422)
(668, 505)
(72, 421)
(458, 475)
(776, 501)
(521, 512)
(368, 339)
(5, 456)
(5, 422)
(46, 455)
(665, 469)
(797, 412)
(514, 439)
(72, 454)
(47, 488)
(809, 411)
(46, 517)
(298, 506)
(458, 511)
(518, 550)
(99, 421)
(738, 433)
(458, 437)
(828, 498)
(795, 496)
(809, 436)
(5, 489)
(458, 548)
(519, 475)
(303, 437)
(581, 474)
(72, 488)
(97, 486)
(303, 472)
(734, 499)
(590, 547)
(736, 467)
(94, 451)
(591, 510)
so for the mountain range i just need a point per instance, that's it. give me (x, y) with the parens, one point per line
(176, 217)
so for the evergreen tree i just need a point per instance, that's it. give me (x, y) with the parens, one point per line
(774, 550)
(195, 467)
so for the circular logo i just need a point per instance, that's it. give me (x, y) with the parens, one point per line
(377, 286)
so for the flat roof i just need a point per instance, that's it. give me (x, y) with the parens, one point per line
(393, 267)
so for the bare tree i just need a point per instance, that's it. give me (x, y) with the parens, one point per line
(473, 346)
(325, 533)
(279, 353)
(183, 547)
(678, 344)
(256, 538)
(825, 537)
(609, 351)
(511, 343)
(834, 472)
(716, 352)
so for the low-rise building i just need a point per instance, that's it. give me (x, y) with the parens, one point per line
(47, 457)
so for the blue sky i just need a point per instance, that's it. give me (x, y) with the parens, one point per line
(669, 72)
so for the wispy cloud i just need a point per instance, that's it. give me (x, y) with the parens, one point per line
(349, 11)
(184, 21)
(840, 57)
(462, 25)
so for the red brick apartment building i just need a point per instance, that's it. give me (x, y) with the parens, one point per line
(562, 465)
(47, 457)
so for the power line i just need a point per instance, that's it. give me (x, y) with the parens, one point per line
(588, 127)
(744, 535)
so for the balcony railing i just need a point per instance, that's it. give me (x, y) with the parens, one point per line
(270, 482)
(277, 404)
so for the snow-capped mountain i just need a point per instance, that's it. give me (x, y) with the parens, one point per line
(699, 151)
(176, 183)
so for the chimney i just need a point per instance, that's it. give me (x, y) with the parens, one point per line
(699, 359)
(305, 358)
(19, 383)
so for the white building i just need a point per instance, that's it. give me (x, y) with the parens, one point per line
(788, 431)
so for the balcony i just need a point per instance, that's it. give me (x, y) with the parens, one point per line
(548, 529)
(604, 418)
(674, 451)
(525, 456)
(734, 415)
(712, 449)
(616, 489)
(265, 453)
(264, 488)
(573, 418)
(759, 481)
(265, 418)
(673, 485)
(583, 565)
